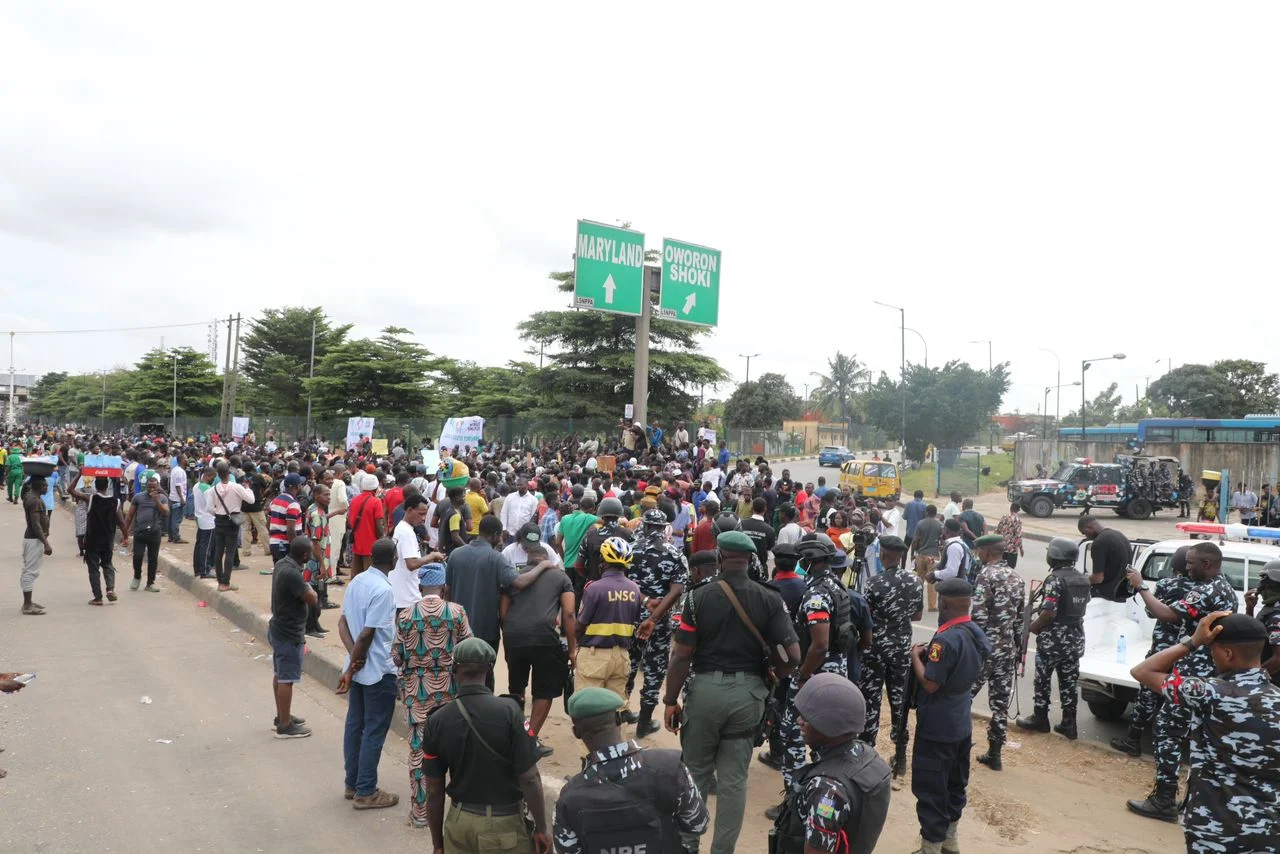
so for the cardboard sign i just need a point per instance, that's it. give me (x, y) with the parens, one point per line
(357, 427)
(606, 463)
(379, 446)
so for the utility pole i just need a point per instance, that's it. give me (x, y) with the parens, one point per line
(311, 372)
(748, 357)
(175, 394)
(103, 426)
(13, 415)
(640, 377)
(235, 377)
(226, 381)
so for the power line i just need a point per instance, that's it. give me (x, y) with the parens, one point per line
(116, 329)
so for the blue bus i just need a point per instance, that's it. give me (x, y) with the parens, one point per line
(1255, 429)
(1119, 433)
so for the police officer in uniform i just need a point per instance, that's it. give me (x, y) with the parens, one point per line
(999, 603)
(1211, 592)
(589, 565)
(1268, 591)
(840, 801)
(480, 743)
(1234, 789)
(730, 665)
(1059, 631)
(896, 597)
(824, 627)
(627, 798)
(945, 671)
(729, 521)
(1163, 635)
(657, 567)
(792, 586)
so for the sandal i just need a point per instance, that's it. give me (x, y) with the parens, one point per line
(377, 801)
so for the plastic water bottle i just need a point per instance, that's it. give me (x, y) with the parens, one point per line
(1122, 647)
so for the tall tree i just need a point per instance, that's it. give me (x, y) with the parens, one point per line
(838, 387)
(945, 406)
(489, 391)
(151, 391)
(762, 404)
(382, 377)
(83, 398)
(276, 354)
(589, 374)
(46, 384)
(1100, 411)
(1231, 388)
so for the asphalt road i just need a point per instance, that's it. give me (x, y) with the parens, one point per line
(92, 766)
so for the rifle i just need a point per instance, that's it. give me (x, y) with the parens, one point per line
(900, 743)
(1027, 616)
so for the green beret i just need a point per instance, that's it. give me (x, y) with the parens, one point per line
(474, 651)
(735, 541)
(988, 540)
(589, 702)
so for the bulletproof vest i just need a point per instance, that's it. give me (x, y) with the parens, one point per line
(865, 780)
(1075, 597)
(591, 542)
(840, 620)
(634, 814)
(1264, 616)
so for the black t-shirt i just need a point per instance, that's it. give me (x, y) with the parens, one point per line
(976, 524)
(476, 776)
(100, 521)
(761, 533)
(710, 623)
(258, 484)
(288, 610)
(1110, 555)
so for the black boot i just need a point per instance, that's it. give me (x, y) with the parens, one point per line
(991, 758)
(1067, 728)
(1159, 804)
(1038, 721)
(646, 725)
(1130, 744)
(773, 812)
(772, 758)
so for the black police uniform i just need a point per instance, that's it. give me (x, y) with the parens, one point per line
(628, 798)
(944, 729)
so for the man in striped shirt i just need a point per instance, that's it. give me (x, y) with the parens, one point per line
(284, 517)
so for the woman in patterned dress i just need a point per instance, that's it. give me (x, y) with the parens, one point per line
(425, 637)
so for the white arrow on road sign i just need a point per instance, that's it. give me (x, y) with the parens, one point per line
(690, 302)
(609, 288)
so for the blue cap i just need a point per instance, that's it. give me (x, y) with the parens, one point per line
(431, 575)
(293, 480)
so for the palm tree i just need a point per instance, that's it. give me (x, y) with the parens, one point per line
(837, 387)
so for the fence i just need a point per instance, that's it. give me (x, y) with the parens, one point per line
(1253, 463)
(812, 435)
(957, 471)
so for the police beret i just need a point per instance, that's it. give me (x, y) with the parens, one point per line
(1239, 628)
(892, 543)
(989, 540)
(589, 702)
(706, 557)
(954, 587)
(735, 541)
(474, 651)
(832, 705)
(655, 517)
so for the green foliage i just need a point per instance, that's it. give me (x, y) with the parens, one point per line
(945, 406)
(151, 385)
(763, 403)
(837, 391)
(385, 376)
(1232, 388)
(489, 392)
(276, 353)
(592, 359)
(1104, 409)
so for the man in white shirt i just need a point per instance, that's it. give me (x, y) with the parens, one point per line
(177, 498)
(517, 509)
(681, 436)
(952, 510)
(790, 532)
(713, 476)
(529, 535)
(409, 558)
(953, 552)
(890, 517)
(339, 504)
(203, 552)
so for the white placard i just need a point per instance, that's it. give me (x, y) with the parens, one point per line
(357, 427)
(239, 426)
(462, 432)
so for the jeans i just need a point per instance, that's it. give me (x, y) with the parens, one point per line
(200, 555)
(100, 558)
(147, 542)
(369, 711)
(175, 520)
(224, 552)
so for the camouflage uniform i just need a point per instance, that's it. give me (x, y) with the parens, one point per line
(656, 565)
(817, 607)
(1235, 757)
(1164, 635)
(1058, 649)
(1173, 720)
(999, 603)
(894, 596)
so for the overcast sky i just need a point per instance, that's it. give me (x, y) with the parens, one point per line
(1088, 177)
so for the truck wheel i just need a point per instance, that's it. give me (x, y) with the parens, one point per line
(1139, 508)
(1108, 709)
(1041, 507)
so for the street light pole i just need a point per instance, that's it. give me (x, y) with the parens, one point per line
(1084, 366)
(103, 425)
(748, 358)
(923, 342)
(902, 316)
(175, 394)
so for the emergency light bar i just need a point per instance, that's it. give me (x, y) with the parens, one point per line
(1230, 532)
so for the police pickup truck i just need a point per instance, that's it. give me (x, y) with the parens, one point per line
(1117, 635)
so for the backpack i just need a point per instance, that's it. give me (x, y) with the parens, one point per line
(968, 569)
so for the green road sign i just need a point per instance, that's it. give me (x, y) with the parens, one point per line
(608, 268)
(690, 283)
